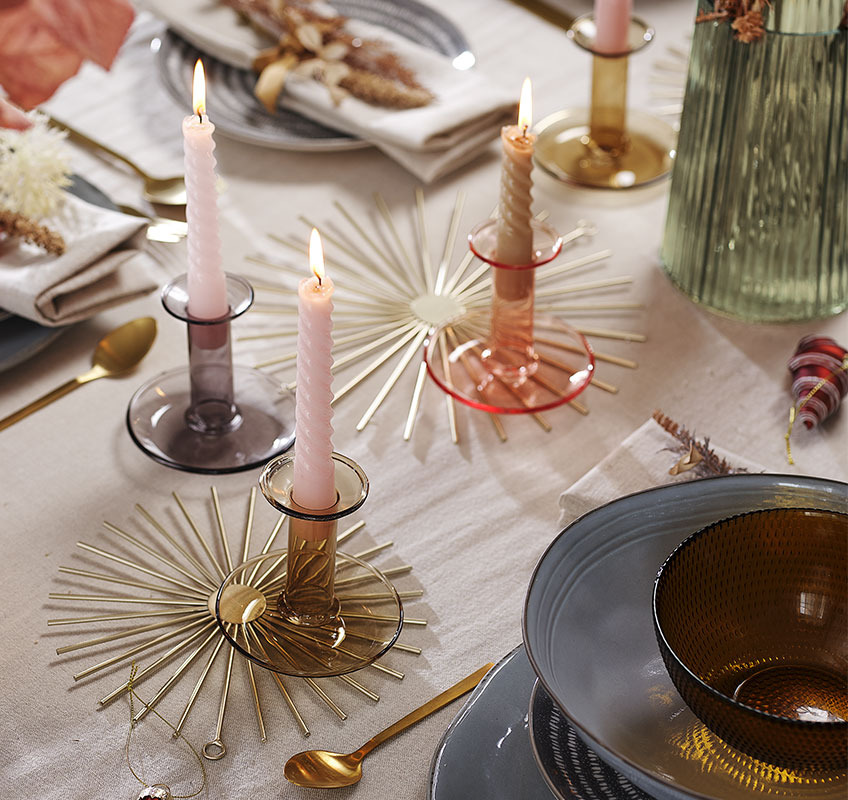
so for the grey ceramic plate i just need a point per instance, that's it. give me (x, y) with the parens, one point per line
(571, 769)
(590, 638)
(486, 753)
(20, 338)
(234, 109)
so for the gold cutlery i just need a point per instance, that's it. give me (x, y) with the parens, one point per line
(165, 191)
(321, 769)
(159, 229)
(116, 353)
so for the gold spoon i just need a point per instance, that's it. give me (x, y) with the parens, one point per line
(320, 769)
(165, 191)
(117, 352)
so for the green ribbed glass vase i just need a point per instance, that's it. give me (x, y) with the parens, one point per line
(757, 224)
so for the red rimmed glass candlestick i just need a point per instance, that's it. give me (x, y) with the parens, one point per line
(508, 359)
(606, 146)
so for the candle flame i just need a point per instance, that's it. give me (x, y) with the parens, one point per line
(525, 106)
(198, 95)
(316, 255)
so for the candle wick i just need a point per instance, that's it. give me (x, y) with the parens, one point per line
(524, 132)
(320, 282)
(200, 116)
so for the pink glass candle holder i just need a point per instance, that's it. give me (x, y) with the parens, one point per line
(312, 610)
(507, 358)
(211, 416)
(607, 145)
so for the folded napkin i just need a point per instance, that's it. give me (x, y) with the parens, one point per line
(643, 460)
(104, 264)
(462, 120)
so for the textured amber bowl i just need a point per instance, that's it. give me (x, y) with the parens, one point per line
(750, 616)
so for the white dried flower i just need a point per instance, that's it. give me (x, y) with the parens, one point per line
(34, 168)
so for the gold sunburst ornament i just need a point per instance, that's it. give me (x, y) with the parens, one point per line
(173, 585)
(393, 291)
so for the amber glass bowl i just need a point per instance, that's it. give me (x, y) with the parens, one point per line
(750, 616)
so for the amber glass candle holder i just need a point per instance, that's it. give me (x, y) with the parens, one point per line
(310, 610)
(211, 416)
(607, 145)
(507, 358)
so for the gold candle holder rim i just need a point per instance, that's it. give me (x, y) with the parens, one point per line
(485, 233)
(277, 483)
(583, 29)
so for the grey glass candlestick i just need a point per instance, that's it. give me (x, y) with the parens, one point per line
(211, 416)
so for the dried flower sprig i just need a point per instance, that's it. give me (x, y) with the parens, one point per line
(18, 226)
(695, 455)
(34, 169)
(318, 47)
(746, 17)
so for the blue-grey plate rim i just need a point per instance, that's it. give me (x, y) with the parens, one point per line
(540, 790)
(652, 781)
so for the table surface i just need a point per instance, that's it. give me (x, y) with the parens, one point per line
(471, 518)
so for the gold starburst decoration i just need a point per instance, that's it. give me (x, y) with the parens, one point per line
(392, 292)
(180, 572)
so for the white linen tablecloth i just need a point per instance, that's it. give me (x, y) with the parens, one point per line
(471, 519)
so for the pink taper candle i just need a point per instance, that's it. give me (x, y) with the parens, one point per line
(314, 469)
(612, 22)
(207, 286)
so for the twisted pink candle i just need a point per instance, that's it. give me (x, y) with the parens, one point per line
(612, 24)
(314, 470)
(515, 236)
(207, 286)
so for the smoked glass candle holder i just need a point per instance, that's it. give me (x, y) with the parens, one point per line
(607, 145)
(310, 610)
(211, 416)
(507, 358)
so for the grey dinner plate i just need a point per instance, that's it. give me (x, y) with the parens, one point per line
(495, 749)
(485, 752)
(589, 635)
(239, 115)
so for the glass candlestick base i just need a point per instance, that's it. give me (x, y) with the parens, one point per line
(507, 358)
(366, 624)
(310, 610)
(458, 358)
(262, 427)
(606, 146)
(567, 152)
(211, 416)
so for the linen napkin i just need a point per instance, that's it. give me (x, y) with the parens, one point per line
(459, 123)
(104, 264)
(643, 460)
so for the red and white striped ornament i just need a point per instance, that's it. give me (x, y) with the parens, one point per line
(819, 378)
